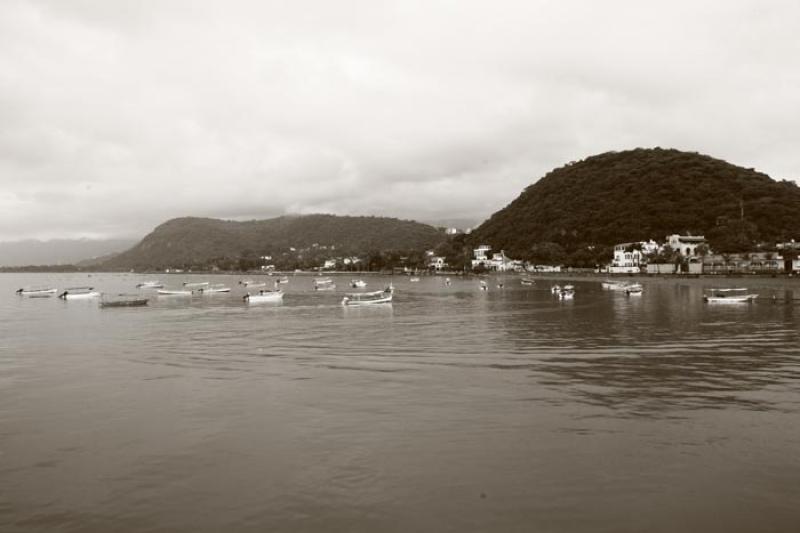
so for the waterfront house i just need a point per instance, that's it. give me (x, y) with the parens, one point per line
(686, 245)
(437, 262)
(480, 256)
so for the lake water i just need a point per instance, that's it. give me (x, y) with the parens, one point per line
(451, 409)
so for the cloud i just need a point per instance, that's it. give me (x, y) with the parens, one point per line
(117, 116)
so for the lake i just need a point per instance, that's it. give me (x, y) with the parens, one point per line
(451, 409)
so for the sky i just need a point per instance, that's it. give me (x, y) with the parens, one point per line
(116, 116)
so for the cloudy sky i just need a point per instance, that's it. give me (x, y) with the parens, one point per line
(118, 115)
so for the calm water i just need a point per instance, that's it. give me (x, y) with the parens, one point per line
(450, 410)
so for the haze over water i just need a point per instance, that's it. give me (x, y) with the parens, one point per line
(450, 410)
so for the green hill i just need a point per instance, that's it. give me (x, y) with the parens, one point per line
(582, 208)
(291, 240)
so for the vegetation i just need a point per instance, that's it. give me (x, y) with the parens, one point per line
(290, 242)
(576, 212)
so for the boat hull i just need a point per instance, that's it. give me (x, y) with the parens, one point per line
(272, 297)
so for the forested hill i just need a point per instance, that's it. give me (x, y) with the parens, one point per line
(187, 242)
(641, 194)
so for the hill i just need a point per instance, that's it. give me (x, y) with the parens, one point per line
(585, 207)
(291, 240)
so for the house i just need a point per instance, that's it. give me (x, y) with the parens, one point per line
(627, 258)
(686, 245)
(452, 231)
(329, 264)
(437, 262)
(480, 255)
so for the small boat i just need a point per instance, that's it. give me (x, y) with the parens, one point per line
(150, 285)
(253, 284)
(567, 292)
(526, 281)
(167, 292)
(324, 284)
(36, 292)
(616, 285)
(484, 286)
(634, 289)
(555, 289)
(447, 282)
(195, 284)
(123, 300)
(358, 283)
(369, 298)
(79, 293)
(729, 296)
(283, 279)
(413, 280)
(501, 285)
(213, 289)
(264, 296)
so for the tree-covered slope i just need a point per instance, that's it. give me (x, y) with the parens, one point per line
(184, 242)
(642, 194)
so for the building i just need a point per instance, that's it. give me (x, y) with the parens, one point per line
(437, 262)
(686, 245)
(480, 255)
(329, 263)
(627, 258)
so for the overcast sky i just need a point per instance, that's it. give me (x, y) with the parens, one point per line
(118, 115)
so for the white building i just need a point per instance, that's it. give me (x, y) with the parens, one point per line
(686, 245)
(437, 262)
(480, 255)
(329, 263)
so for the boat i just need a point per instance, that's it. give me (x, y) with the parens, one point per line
(634, 289)
(729, 296)
(501, 285)
(447, 282)
(195, 284)
(36, 292)
(369, 298)
(555, 289)
(358, 283)
(123, 300)
(150, 285)
(167, 292)
(567, 292)
(283, 279)
(324, 284)
(616, 285)
(264, 296)
(526, 281)
(413, 280)
(253, 284)
(484, 286)
(79, 293)
(212, 289)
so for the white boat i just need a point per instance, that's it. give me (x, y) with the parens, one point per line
(150, 285)
(212, 289)
(616, 285)
(264, 297)
(254, 284)
(79, 293)
(526, 281)
(484, 286)
(413, 280)
(447, 282)
(36, 292)
(167, 292)
(729, 296)
(634, 289)
(195, 284)
(369, 298)
(567, 292)
(555, 289)
(324, 284)
(358, 283)
(283, 279)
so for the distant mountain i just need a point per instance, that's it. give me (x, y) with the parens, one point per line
(641, 194)
(59, 251)
(458, 223)
(187, 242)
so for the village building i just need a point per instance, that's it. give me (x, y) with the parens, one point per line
(437, 262)
(686, 245)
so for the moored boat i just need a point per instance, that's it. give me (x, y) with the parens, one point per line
(358, 283)
(195, 284)
(79, 293)
(150, 285)
(264, 296)
(212, 289)
(634, 289)
(123, 300)
(616, 285)
(414, 280)
(324, 284)
(526, 281)
(567, 292)
(369, 298)
(168, 292)
(729, 296)
(36, 292)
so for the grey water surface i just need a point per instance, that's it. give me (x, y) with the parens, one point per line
(451, 409)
